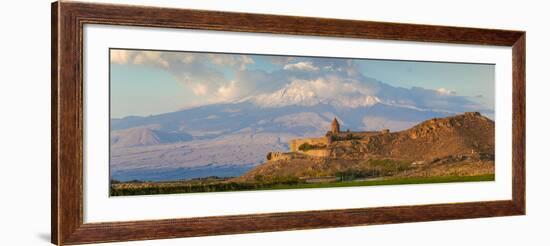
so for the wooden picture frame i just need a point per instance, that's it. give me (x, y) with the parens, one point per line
(68, 20)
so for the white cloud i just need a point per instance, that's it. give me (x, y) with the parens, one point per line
(338, 82)
(240, 61)
(245, 60)
(281, 60)
(154, 58)
(445, 92)
(194, 70)
(120, 56)
(228, 91)
(168, 59)
(199, 89)
(186, 58)
(303, 66)
(150, 58)
(201, 72)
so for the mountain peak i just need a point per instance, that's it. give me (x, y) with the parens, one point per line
(311, 93)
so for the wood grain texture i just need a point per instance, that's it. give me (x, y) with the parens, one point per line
(54, 125)
(68, 19)
(261, 23)
(147, 230)
(68, 124)
(518, 123)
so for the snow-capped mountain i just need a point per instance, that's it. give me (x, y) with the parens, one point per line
(352, 94)
(320, 91)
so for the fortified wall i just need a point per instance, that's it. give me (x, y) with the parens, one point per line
(318, 147)
(276, 156)
(358, 135)
(316, 152)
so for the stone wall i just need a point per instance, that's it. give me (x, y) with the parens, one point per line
(276, 156)
(316, 152)
(295, 144)
(282, 156)
(358, 134)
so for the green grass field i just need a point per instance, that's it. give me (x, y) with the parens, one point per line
(390, 181)
(184, 187)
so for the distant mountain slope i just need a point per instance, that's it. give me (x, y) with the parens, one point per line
(211, 121)
(142, 136)
(231, 156)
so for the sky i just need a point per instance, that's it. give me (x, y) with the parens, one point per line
(147, 83)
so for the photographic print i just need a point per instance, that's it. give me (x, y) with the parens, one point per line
(186, 122)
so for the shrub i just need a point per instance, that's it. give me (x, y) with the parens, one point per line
(307, 146)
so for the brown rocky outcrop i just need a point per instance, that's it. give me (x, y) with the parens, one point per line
(466, 134)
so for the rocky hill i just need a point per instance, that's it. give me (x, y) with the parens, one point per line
(457, 145)
(466, 134)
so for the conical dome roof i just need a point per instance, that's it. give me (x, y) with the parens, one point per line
(335, 128)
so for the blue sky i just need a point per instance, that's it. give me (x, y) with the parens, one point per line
(153, 82)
